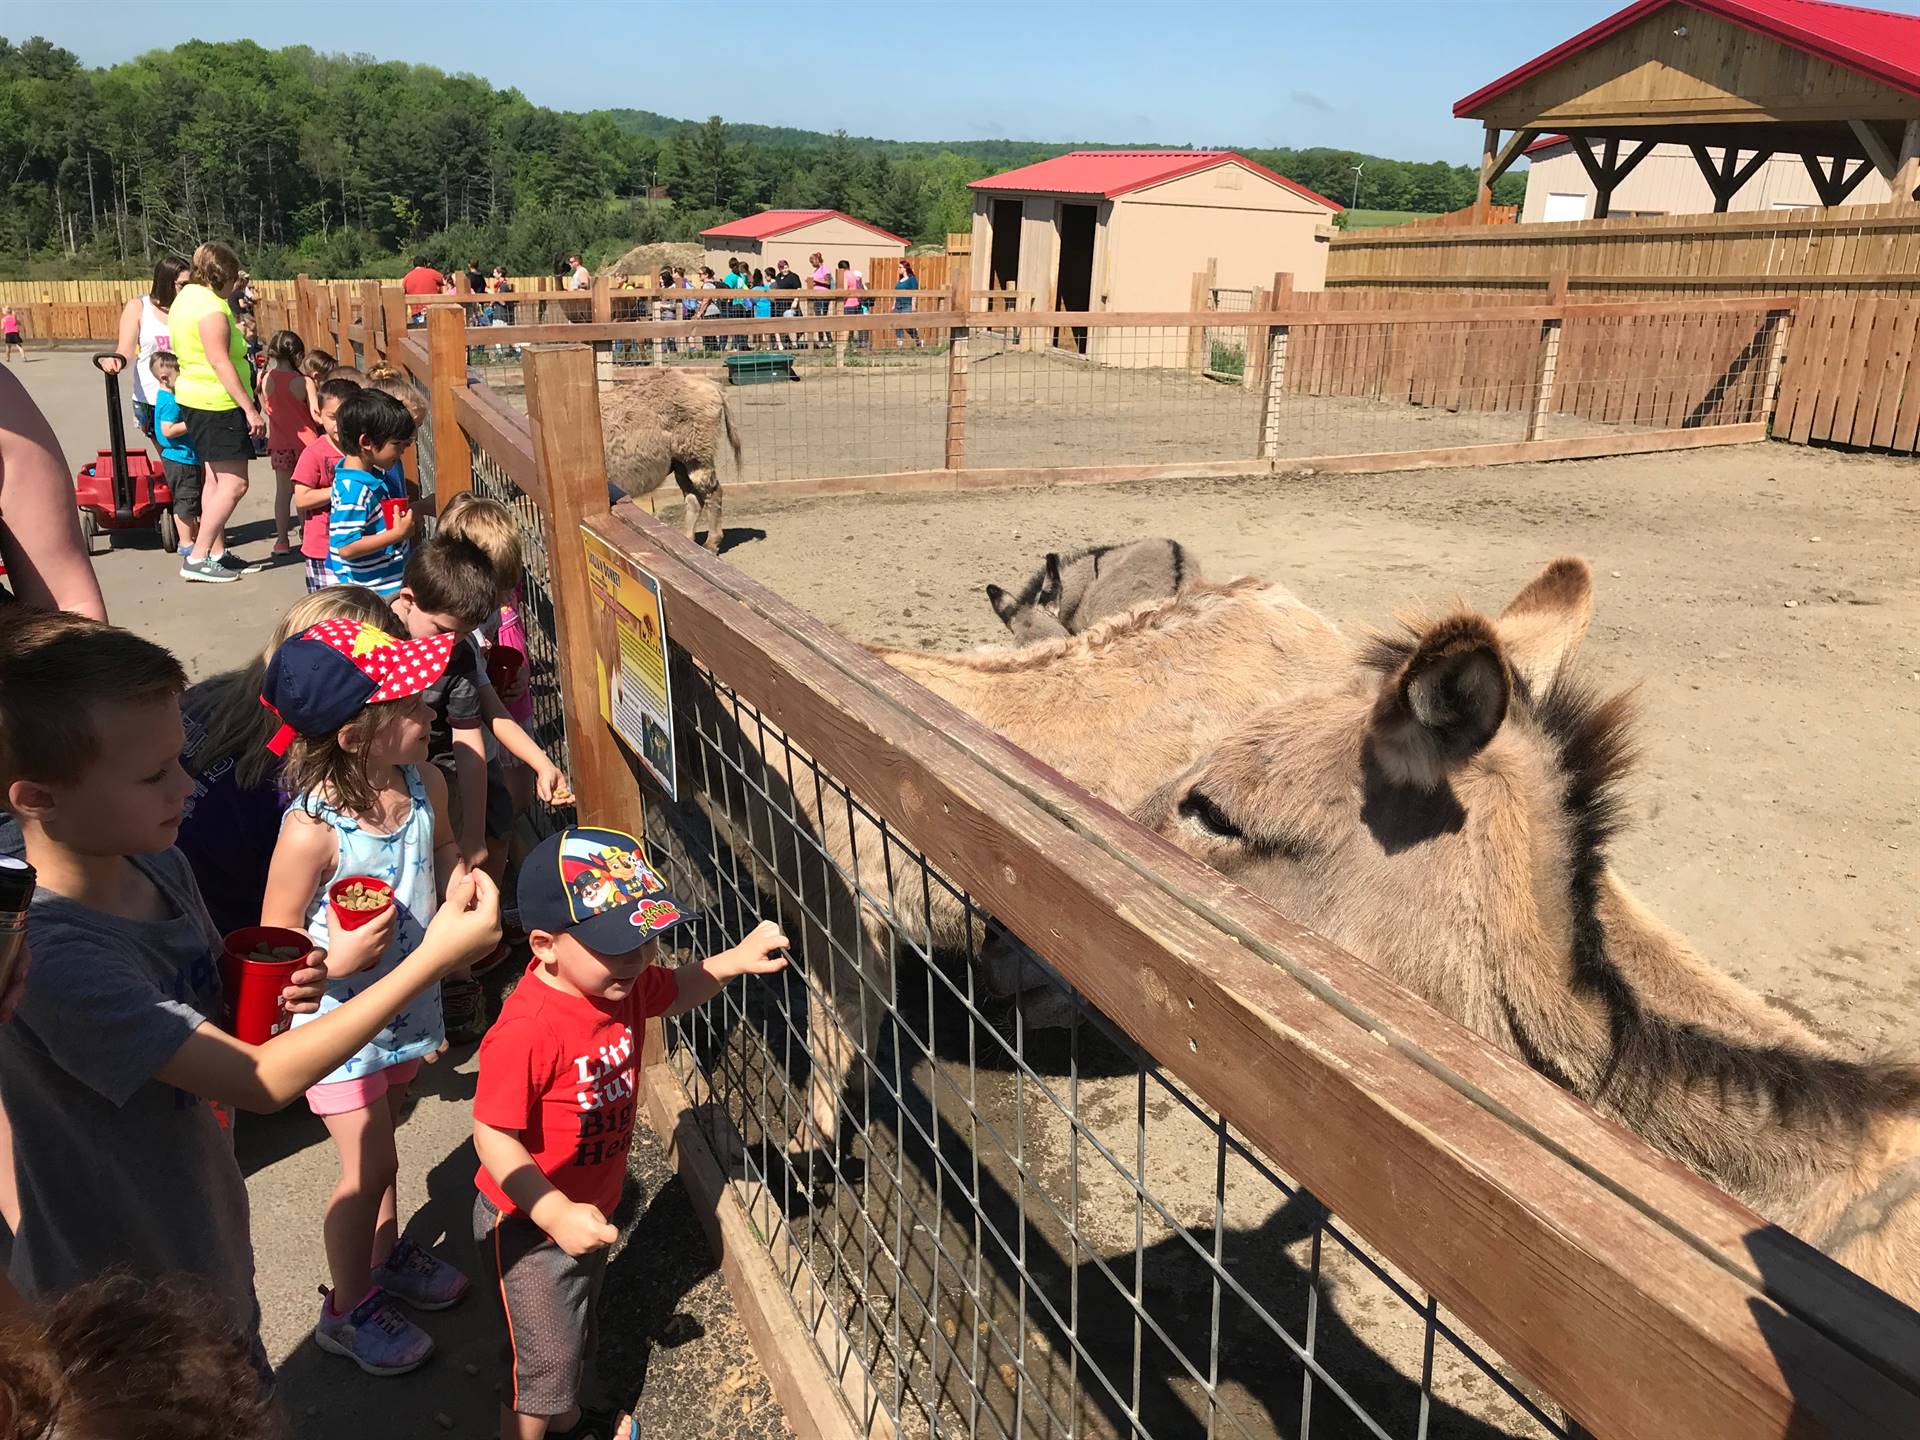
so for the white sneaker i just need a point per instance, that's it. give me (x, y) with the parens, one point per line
(208, 571)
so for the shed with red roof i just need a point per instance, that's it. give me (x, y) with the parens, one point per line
(792, 235)
(1127, 229)
(1734, 82)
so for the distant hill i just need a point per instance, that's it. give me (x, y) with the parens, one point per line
(999, 154)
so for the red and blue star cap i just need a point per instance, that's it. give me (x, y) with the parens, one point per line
(326, 675)
(596, 885)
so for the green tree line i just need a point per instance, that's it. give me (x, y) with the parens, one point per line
(343, 165)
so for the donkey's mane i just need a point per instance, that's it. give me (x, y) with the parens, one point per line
(1591, 739)
(1093, 640)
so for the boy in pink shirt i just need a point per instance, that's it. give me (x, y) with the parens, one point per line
(313, 479)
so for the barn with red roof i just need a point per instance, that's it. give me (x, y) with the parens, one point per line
(1731, 84)
(1128, 229)
(792, 235)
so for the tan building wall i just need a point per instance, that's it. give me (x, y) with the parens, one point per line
(1149, 243)
(834, 238)
(1251, 227)
(1668, 182)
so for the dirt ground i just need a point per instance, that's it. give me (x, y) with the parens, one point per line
(1764, 601)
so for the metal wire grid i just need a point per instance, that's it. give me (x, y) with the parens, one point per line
(1228, 346)
(1026, 1230)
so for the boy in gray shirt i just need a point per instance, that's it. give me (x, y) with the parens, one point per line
(112, 1066)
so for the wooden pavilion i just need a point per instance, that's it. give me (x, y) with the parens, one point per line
(1736, 81)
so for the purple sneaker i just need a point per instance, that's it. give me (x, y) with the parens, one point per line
(374, 1335)
(420, 1278)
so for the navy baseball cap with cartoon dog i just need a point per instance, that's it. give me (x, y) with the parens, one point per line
(596, 885)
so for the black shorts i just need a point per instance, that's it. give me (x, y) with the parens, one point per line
(551, 1299)
(218, 436)
(186, 482)
(13, 338)
(500, 815)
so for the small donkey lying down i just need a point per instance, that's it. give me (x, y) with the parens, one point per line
(1071, 592)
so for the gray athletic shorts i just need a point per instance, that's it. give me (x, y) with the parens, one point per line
(550, 1299)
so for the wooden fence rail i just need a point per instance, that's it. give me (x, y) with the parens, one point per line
(1645, 1302)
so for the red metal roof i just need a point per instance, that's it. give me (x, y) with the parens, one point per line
(1109, 173)
(1876, 43)
(769, 223)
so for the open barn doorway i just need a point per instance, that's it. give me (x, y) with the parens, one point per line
(1074, 287)
(1004, 259)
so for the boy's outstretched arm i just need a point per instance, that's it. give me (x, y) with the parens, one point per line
(550, 781)
(215, 1066)
(763, 952)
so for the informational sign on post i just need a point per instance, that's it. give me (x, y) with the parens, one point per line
(630, 657)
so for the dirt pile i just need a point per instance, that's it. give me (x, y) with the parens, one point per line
(647, 259)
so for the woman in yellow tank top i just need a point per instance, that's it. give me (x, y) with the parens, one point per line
(215, 393)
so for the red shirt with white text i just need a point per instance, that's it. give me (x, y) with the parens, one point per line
(564, 1072)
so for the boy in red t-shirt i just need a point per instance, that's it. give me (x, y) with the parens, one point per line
(554, 1110)
(313, 478)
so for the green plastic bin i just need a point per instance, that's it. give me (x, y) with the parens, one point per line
(759, 369)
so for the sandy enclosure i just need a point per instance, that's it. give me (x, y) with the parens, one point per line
(1762, 598)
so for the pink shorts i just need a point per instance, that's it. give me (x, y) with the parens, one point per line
(342, 1097)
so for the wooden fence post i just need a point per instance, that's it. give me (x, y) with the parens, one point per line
(1253, 369)
(1203, 282)
(959, 299)
(1548, 365)
(1781, 322)
(342, 321)
(393, 306)
(447, 360)
(371, 317)
(602, 298)
(1274, 369)
(563, 413)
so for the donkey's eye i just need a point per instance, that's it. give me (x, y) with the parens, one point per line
(1202, 810)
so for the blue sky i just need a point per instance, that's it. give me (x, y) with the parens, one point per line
(1374, 75)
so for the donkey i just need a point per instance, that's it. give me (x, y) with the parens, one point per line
(1069, 593)
(1441, 803)
(1199, 664)
(665, 422)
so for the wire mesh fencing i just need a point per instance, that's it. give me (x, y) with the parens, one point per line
(816, 396)
(994, 1213)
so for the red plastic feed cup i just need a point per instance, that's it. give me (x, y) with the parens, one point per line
(354, 919)
(392, 511)
(504, 663)
(253, 986)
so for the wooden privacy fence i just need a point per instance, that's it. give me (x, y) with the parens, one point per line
(954, 1284)
(1850, 378)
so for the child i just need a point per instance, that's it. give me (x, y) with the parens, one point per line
(370, 529)
(451, 589)
(106, 1067)
(489, 524)
(290, 424)
(317, 367)
(230, 823)
(313, 476)
(178, 462)
(366, 804)
(554, 1110)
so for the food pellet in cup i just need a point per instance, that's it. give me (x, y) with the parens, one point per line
(361, 898)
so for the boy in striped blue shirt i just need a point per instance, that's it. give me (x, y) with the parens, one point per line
(370, 526)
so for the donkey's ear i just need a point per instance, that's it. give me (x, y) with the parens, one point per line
(1543, 625)
(1004, 605)
(1050, 584)
(1442, 704)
